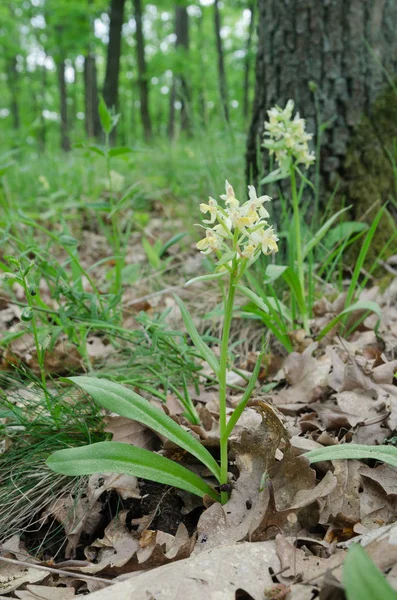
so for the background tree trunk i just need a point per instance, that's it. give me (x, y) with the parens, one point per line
(13, 87)
(221, 62)
(247, 59)
(111, 83)
(92, 122)
(142, 71)
(180, 89)
(303, 41)
(65, 141)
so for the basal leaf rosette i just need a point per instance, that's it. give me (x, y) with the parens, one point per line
(237, 232)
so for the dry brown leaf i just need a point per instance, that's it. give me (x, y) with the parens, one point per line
(306, 375)
(13, 577)
(295, 563)
(130, 432)
(125, 485)
(343, 503)
(77, 515)
(215, 574)
(41, 592)
(114, 550)
(384, 475)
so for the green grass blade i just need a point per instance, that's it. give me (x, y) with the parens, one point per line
(253, 297)
(364, 305)
(201, 346)
(362, 256)
(322, 232)
(116, 457)
(362, 579)
(128, 403)
(387, 454)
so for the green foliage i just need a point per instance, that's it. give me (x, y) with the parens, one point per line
(362, 580)
(115, 457)
(126, 403)
(387, 454)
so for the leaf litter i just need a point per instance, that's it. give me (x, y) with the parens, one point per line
(287, 524)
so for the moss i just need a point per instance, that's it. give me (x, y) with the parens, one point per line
(370, 180)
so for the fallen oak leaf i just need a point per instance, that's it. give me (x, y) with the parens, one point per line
(216, 573)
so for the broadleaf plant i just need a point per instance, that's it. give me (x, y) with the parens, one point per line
(238, 235)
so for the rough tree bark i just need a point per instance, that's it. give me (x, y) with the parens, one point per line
(13, 84)
(142, 71)
(327, 42)
(111, 83)
(180, 88)
(247, 58)
(221, 62)
(65, 141)
(92, 122)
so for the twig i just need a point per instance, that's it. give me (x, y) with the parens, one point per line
(57, 571)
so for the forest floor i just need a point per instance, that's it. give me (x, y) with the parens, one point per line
(285, 531)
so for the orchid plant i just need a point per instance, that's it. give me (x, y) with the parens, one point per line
(237, 234)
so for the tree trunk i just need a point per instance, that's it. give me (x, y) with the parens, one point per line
(180, 89)
(247, 59)
(327, 46)
(142, 72)
(111, 83)
(65, 141)
(13, 85)
(221, 62)
(92, 122)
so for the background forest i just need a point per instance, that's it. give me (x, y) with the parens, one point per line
(205, 382)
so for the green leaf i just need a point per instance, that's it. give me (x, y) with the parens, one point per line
(208, 277)
(344, 231)
(273, 272)
(96, 149)
(171, 242)
(201, 346)
(253, 297)
(362, 579)
(128, 403)
(120, 150)
(362, 306)
(362, 256)
(67, 240)
(322, 232)
(387, 454)
(275, 175)
(105, 116)
(151, 253)
(116, 457)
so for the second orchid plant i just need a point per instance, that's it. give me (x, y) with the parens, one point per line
(237, 234)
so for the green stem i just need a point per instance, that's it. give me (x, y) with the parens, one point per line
(39, 350)
(115, 225)
(298, 243)
(229, 302)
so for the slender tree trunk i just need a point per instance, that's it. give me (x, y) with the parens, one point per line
(221, 62)
(92, 123)
(180, 88)
(111, 83)
(306, 45)
(13, 84)
(142, 71)
(247, 59)
(65, 141)
(202, 83)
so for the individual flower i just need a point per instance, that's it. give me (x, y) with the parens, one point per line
(229, 198)
(212, 208)
(286, 138)
(266, 238)
(241, 229)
